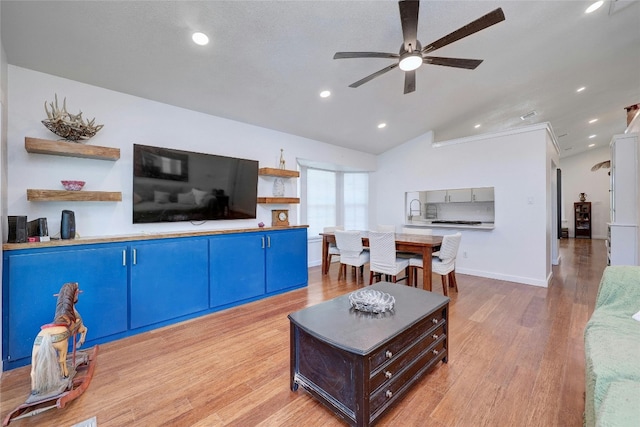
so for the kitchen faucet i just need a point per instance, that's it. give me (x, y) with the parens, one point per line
(411, 210)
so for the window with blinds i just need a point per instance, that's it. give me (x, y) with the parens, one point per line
(335, 198)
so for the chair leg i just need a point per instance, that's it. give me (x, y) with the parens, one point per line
(370, 278)
(453, 283)
(326, 269)
(342, 269)
(444, 285)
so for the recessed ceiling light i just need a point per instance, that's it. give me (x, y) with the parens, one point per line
(200, 39)
(580, 89)
(477, 126)
(591, 145)
(594, 6)
(325, 94)
(593, 121)
(592, 136)
(382, 125)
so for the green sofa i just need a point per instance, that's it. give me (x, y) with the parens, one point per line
(612, 351)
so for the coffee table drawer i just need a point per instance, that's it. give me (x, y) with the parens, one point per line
(405, 357)
(385, 395)
(387, 352)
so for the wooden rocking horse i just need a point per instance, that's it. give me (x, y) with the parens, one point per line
(52, 383)
(52, 343)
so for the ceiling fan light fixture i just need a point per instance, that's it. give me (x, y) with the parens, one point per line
(410, 61)
(594, 6)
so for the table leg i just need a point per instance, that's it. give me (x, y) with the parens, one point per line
(426, 268)
(325, 255)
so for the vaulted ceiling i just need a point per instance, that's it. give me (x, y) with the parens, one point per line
(267, 62)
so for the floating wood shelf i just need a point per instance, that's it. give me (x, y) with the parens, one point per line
(70, 149)
(278, 200)
(73, 196)
(278, 172)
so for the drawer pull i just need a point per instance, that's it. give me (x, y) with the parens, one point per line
(435, 352)
(389, 393)
(434, 320)
(435, 336)
(388, 354)
(388, 374)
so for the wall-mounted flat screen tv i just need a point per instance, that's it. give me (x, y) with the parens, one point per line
(175, 185)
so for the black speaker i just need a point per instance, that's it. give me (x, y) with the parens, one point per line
(17, 229)
(68, 225)
(38, 227)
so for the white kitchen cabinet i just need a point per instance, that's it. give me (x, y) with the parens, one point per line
(484, 194)
(459, 195)
(438, 196)
(625, 204)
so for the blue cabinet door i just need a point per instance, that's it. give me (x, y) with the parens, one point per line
(169, 279)
(286, 259)
(237, 267)
(35, 276)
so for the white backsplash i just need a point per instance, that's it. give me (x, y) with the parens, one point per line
(472, 211)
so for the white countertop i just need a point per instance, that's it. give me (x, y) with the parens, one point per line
(429, 224)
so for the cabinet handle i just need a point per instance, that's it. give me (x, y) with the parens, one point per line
(262, 242)
(435, 352)
(388, 374)
(434, 320)
(389, 393)
(388, 354)
(124, 258)
(435, 336)
(268, 241)
(135, 257)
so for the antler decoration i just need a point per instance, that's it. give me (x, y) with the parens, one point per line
(68, 126)
(605, 164)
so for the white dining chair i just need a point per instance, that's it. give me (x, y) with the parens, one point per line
(382, 247)
(416, 230)
(443, 264)
(352, 252)
(333, 249)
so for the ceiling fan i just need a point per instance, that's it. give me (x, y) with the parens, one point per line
(412, 55)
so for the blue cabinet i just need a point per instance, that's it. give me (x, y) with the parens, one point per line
(169, 279)
(237, 267)
(286, 259)
(137, 285)
(245, 266)
(32, 277)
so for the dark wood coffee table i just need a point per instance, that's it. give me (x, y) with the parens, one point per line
(358, 364)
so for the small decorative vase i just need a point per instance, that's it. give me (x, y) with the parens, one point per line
(278, 187)
(583, 197)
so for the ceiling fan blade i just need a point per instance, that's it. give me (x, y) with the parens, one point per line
(373, 76)
(409, 19)
(479, 24)
(343, 55)
(409, 81)
(469, 64)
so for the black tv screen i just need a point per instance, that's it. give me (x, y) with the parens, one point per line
(174, 185)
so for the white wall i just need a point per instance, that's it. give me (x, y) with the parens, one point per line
(515, 163)
(128, 120)
(577, 178)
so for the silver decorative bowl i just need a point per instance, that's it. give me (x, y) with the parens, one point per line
(371, 301)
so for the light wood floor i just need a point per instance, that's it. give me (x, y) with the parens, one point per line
(516, 359)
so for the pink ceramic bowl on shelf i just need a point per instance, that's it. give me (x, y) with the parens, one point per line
(72, 185)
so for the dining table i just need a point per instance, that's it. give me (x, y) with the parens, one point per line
(421, 244)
